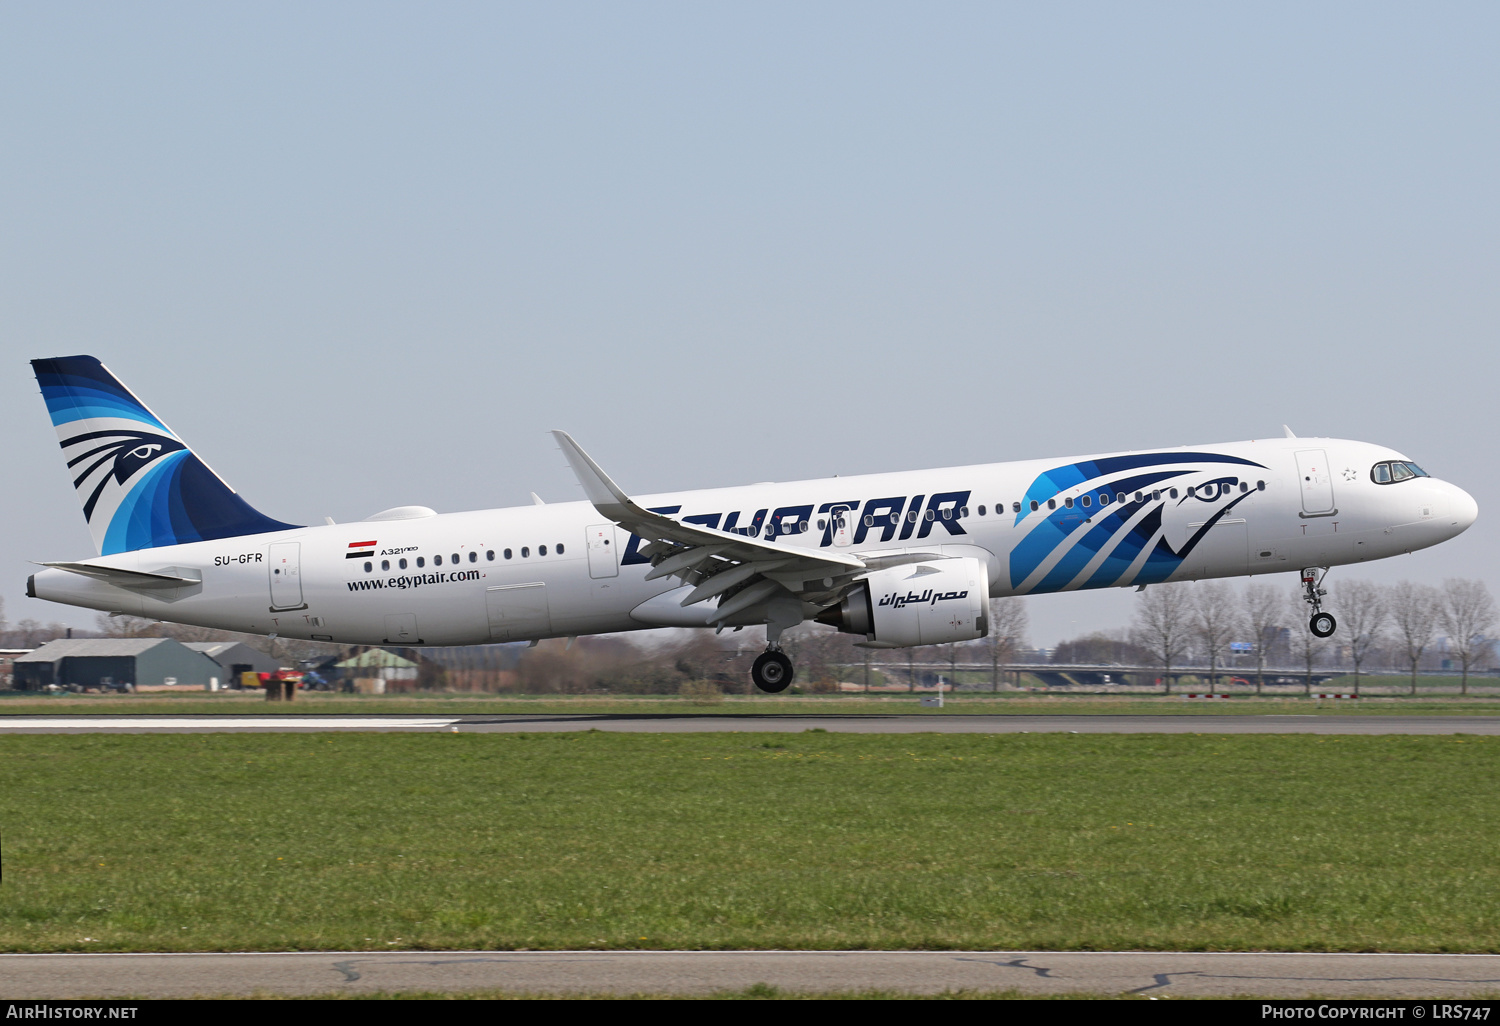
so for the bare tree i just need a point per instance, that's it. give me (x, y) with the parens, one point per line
(1467, 614)
(1163, 624)
(1008, 624)
(1305, 644)
(1414, 612)
(1363, 611)
(1215, 619)
(1261, 611)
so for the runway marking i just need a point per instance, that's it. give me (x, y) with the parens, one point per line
(1034, 723)
(219, 723)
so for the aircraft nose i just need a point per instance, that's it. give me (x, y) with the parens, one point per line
(1464, 509)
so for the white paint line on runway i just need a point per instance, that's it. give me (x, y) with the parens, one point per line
(220, 723)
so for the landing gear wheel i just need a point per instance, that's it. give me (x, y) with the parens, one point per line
(772, 672)
(1323, 625)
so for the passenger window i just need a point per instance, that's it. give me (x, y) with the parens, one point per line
(1104, 499)
(559, 548)
(1244, 487)
(541, 550)
(385, 564)
(930, 515)
(1190, 492)
(822, 524)
(455, 557)
(1033, 506)
(525, 551)
(963, 512)
(1173, 492)
(802, 528)
(507, 553)
(869, 521)
(981, 510)
(1137, 496)
(1051, 503)
(369, 567)
(473, 556)
(402, 563)
(490, 555)
(1068, 502)
(1260, 486)
(421, 562)
(1087, 502)
(437, 560)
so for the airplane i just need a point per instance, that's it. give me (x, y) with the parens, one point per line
(901, 559)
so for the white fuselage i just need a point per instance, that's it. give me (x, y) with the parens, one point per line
(562, 569)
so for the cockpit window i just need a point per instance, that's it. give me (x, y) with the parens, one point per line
(1394, 471)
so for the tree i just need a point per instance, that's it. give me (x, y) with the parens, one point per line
(1305, 644)
(1467, 613)
(1214, 620)
(1261, 612)
(1414, 613)
(1363, 611)
(1163, 625)
(1008, 624)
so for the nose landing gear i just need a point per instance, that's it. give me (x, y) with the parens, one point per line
(1322, 624)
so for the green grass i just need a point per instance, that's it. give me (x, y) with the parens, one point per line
(965, 703)
(810, 840)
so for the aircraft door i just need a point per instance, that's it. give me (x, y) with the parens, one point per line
(603, 560)
(1316, 481)
(843, 526)
(518, 612)
(286, 575)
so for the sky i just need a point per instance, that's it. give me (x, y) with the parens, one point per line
(361, 255)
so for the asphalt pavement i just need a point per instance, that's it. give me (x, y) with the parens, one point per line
(1151, 974)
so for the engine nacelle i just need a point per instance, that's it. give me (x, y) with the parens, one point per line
(928, 603)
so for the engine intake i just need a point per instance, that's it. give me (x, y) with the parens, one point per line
(928, 603)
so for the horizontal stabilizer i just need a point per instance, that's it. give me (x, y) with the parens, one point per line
(167, 577)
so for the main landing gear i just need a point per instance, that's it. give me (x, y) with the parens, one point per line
(1322, 624)
(772, 671)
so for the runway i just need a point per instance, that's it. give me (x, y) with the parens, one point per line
(1155, 974)
(708, 723)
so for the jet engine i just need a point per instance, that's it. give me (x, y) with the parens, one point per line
(927, 603)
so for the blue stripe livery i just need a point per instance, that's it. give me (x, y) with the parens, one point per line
(139, 485)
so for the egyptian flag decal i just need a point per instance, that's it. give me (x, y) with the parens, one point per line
(360, 550)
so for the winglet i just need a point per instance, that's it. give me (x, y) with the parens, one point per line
(602, 492)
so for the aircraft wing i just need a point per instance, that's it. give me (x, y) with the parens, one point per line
(739, 570)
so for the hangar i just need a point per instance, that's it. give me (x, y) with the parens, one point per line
(114, 663)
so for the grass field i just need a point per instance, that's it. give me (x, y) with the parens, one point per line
(964, 703)
(810, 840)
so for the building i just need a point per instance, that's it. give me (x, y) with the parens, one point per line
(8, 657)
(236, 658)
(117, 664)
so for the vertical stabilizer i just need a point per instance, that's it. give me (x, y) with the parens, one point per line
(140, 486)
